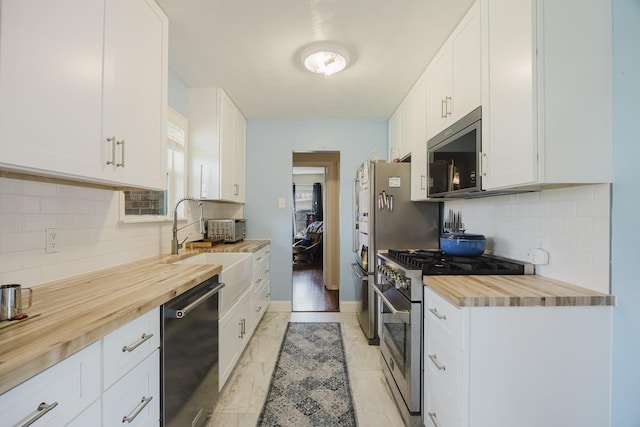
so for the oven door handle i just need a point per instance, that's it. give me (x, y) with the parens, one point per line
(359, 272)
(403, 315)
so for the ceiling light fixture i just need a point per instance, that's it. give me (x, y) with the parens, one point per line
(325, 58)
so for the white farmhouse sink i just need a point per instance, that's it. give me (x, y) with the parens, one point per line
(237, 273)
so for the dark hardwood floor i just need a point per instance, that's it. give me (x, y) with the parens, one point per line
(309, 293)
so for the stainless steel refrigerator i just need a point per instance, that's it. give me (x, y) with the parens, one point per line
(386, 218)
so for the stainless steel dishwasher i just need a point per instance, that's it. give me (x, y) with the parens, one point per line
(189, 355)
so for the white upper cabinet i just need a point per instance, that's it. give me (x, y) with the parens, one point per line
(419, 141)
(453, 75)
(135, 103)
(547, 93)
(83, 83)
(395, 134)
(217, 149)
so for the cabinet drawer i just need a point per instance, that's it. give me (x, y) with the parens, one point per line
(442, 315)
(443, 369)
(261, 297)
(261, 275)
(438, 413)
(261, 257)
(130, 395)
(72, 385)
(126, 347)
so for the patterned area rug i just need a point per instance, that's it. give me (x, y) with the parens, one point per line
(310, 385)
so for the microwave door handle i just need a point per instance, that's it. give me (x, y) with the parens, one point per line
(402, 315)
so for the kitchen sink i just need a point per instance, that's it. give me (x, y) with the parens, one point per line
(237, 273)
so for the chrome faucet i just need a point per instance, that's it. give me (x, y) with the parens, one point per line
(175, 245)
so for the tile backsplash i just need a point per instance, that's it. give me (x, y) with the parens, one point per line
(572, 224)
(90, 234)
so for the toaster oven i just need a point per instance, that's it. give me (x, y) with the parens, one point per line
(229, 230)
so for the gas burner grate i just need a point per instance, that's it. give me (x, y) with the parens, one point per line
(438, 263)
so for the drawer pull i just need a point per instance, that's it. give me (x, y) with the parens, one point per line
(258, 259)
(434, 359)
(142, 339)
(259, 309)
(43, 408)
(132, 416)
(435, 312)
(432, 416)
(259, 280)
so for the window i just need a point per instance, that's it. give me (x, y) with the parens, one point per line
(158, 205)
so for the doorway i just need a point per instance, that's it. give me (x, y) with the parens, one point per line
(315, 238)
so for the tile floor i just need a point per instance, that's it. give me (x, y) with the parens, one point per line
(241, 400)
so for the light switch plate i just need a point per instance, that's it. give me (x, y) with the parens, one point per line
(281, 203)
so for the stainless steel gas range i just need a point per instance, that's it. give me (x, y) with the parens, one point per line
(400, 290)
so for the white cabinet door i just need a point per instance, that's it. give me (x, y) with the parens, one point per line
(135, 70)
(419, 141)
(230, 329)
(395, 134)
(439, 77)
(64, 391)
(74, 73)
(509, 134)
(51, 86)
(135, 399)
(217, 146)
(454, 75)
(240, 156)
(535, 105)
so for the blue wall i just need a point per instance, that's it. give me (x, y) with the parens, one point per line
(178, 94)
(625, 235)
(270, 145)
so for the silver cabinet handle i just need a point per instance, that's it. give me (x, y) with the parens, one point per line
(138, 343)
(259, 280)
(443, 108)
(112, 141)
(447, 111)
(434, 311)
(258, 259)
(268, 294)
(434, 359)
(432, 416)
(236, 189)
(423, 182)
(259, 309)
(121, 165)
(43, 408)
(132, 416)
(180, 313)
(240, 329)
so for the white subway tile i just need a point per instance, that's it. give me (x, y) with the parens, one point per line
(33, 188)
(10, 223)
(12, 203)
(10, 186)
(38, 222)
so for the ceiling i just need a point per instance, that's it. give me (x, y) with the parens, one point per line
(250, 48)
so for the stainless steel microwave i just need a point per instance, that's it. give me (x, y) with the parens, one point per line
(453, 158)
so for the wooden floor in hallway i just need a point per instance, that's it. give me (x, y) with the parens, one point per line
(309, 292)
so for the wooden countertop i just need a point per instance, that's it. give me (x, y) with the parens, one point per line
(78, 311)
(513, 291)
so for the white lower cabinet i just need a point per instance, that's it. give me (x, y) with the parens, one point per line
(516, 366)
(114, 378)
(135, 399)
(58, 395)
(235, 329)
(129, 345)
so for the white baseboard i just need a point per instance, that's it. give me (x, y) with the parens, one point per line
(279, 306)
(348, 306)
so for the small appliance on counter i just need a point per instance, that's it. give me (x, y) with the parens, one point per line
(229, 230)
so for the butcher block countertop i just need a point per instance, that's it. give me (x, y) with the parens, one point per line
(513, 291)
(75, 312)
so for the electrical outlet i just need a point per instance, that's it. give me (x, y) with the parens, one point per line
(51, 244)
